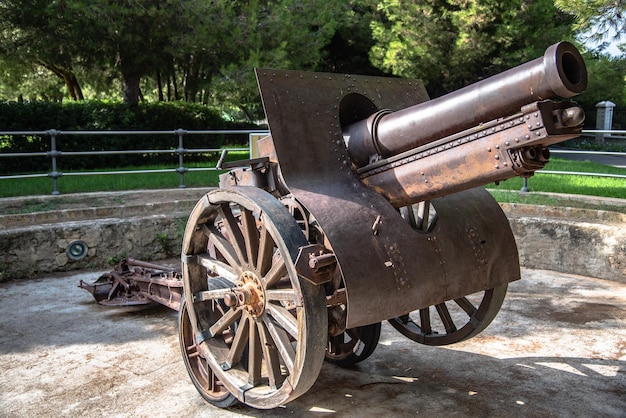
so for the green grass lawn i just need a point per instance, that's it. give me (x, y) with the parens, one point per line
(115, 182)
(572, 184)
(567, 184)
(108, 182)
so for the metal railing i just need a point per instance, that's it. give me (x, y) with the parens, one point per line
(54, 153)
(525, 187)
(179, 134)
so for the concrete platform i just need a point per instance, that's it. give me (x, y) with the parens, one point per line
(557, 349)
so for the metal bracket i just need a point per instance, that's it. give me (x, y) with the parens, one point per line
(316, 264)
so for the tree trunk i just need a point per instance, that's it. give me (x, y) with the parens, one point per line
(245, 111)
(168, 87)
(160, 86)
(72, 84)
(174, 84)
(130, 89)
(68, 77)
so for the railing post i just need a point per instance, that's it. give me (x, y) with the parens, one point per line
(604, 119)
(53, 153)
(181, 151)
(524, 185)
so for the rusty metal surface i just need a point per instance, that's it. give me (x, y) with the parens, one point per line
(134, 282)
(492, 152)
(396, 270)
(560, 72)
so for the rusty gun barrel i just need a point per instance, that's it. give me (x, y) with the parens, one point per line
(561, 72)
(487, 132)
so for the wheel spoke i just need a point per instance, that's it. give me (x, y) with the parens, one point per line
(239, 344)
(284, 295)
(466, 305)
(277, 272)
(425, 325)
(284, 318)
(255, 355)
(270, 353)
(283, 344)
(446, 319)
(225, 321)
(233, 233)
(265, 252)
(218, 268)
(251, 237)
(423, 212)
(210, 381)
(224, 247)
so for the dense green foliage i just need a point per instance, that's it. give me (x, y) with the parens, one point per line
(600, 21)
(606, 82)
(451, 43)
(103, 116)
(166, 48)
(205, 51)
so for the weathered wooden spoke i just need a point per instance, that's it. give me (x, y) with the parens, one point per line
(445, 317)
(224, 247)
(263, 337)
(203, 378)
(224, 322)
(284, 318)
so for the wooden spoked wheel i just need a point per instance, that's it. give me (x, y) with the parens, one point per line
(353, 345)
(263, 338)
(203, 378)
(451, 321)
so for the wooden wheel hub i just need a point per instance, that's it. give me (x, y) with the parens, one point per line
(249, 294)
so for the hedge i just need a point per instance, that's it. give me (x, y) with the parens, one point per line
(105, 116)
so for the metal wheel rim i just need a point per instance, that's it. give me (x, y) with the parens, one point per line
(203, 378)
(353, 346)
(283, 325)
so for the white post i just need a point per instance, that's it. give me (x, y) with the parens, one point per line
(604, 119)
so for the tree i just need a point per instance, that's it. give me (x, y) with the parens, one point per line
(597, 20)
(33, 34)
(289, 34)
(138, 37)
(451, 43)
(348, 50)
(606, 81)
(184, 48)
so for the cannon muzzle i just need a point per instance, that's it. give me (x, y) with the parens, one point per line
(561, 72)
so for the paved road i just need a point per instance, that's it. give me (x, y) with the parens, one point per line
(612, 160)
(557, 349)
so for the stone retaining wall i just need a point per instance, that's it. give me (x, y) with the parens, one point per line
(588, 243)
(35, 250)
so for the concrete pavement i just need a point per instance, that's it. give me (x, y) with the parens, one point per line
(557, 349)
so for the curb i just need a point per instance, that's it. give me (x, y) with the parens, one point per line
(569, 240)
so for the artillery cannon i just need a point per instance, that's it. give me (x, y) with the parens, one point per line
(363, 206)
